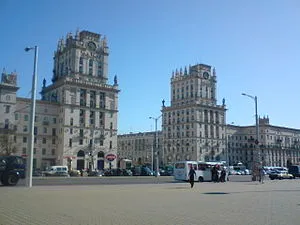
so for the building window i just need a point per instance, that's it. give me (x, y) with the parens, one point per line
(7, 108)
(34, 151)
(71, 121)
(44, 151)
(53, 131)
(110, 145)
(81, 112)
(16, 116)
(80, 141)
(90, 67)
(53, 141)
(35, 140)
(44, 140)
(6, 124)
(53, 152)
(25, 129)
(15, 138)
(70, 142)
(81, 65)
(35, 131)
(99, 69)
(45, 130)
(71, 130)
(24, 139)
(24, 150)
(25, 117)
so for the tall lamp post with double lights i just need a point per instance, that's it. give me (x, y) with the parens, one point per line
(156, 145)
(256, 160)
(29, 164)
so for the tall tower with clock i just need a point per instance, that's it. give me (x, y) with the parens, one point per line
(88, 104)
(193, 125)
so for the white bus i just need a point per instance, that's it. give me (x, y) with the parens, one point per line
(202, 169)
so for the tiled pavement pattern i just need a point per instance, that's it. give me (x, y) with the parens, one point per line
(231, 203)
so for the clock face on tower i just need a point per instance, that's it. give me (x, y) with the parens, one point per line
(92, 46)
(205, 75)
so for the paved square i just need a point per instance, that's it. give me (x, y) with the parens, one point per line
(240, 203)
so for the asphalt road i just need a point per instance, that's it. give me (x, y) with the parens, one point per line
(44, 181)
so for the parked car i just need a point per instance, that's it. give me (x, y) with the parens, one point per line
(275, 174)
(127, 172)
(146, 171)
(284, 175)
(294, 170)
(37, 173)
(96, 173)
(61, 174)
(12, 168)
(56, 171)
(74, 173)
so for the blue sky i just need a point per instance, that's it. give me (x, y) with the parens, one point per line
(254, 46)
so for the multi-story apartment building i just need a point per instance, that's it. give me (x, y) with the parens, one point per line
(140, 148)
(76, 119)
(193, 126)
(278, 146)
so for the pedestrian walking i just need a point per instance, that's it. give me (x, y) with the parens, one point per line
(261, 175)
(192, 175)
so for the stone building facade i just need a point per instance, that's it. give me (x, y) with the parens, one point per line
(278, 146)
(193, 126)
(140, 148)
(76, 118)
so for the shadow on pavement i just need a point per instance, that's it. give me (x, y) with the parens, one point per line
(215, 193)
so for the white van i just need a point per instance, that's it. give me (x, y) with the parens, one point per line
(57, 171)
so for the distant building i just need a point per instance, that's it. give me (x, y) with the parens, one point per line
(76, 120)
(139, 147)
(278, 146)
(193, 126)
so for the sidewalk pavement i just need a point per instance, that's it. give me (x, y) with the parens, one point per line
(231, 203)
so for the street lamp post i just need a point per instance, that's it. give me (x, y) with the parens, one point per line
(29, 164)
(156, 145)
(257, 155)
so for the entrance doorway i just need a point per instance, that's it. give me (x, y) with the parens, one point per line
(80, 164)
(100, 164)
(80, 160)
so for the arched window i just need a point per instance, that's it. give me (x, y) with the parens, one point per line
(100, 154)
(80, 153)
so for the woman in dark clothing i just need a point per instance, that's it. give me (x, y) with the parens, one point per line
(192, 175)
(214, 174)
(223, 175)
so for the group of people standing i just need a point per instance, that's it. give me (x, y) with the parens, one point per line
(218, 174)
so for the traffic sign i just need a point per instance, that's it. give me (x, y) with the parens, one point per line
(110, 157)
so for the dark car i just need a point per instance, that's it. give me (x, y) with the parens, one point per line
(146, 171)
(12, 168)
(295, 170)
